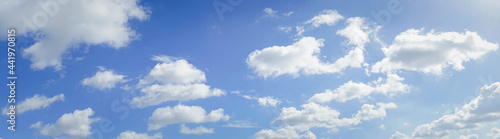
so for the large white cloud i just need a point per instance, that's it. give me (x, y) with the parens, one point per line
(481, 111)
(35, 103)
(197, 130)
(173, 80)
(132, 135)
(104, 79)
(432, 52)
(76, 125)
(302, 57)
(317, 116)
(353, 90)
(183, 114)
(65, 24)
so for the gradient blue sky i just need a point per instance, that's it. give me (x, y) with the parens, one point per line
(193, 31)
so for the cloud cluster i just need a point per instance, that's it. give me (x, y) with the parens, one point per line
(173, 80)
(183, 114)
(479, 112)
(66, 24)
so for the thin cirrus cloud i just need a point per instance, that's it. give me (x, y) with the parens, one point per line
(133, 135)
(35, 103)
(164, 116)
(74, 125)
(432, 52)
(104, 79)
(481, 111)
(106, 23)
(173, 80)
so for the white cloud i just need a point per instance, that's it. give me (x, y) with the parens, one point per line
(67, 24)
(288, 14)
(317, 116)
(270, 12)
(173, 80)
(480, 111)
(494, 133)
(399, 135)
(183, 114)
(76, 124)
(268, 101)
(241, 124)
(283, 133)
(104, 79)
(35, 103)
(197, 130)
(326, 17)
(352, 90)
(356, 31)
(471, 136)
(132, 135)
(432, 52)
(382, 126)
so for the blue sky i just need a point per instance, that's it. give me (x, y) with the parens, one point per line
(176, 69)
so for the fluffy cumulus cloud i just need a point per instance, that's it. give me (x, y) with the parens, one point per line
(268, 101)
(302, 57)
(197, 130)
(317, 116)
(35, 103)
(432, 52)
(480, 111)
(494, 133)
(60, 23)
(173, 80)
(183, 114)
(73, 125)
(353, 90)
(133, 135)
(104, 79)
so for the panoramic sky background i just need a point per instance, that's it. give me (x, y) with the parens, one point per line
(254, 69)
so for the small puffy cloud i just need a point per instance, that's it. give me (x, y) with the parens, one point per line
(132, 135)
(76, 125)
(432, 52)
(369, 111)
(382, 127)
(268, 101)
(399, 135)
(494, 133)
(173, 80)
(471, 136)
(183, 114)
(270, 12)
(106, 23)
(283, 133)
(35, 103)
(352, 90)
(479, 112)
(288, 14)
(326, 17)
(197, 130)
(104, 79)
